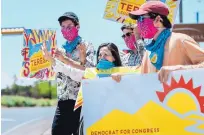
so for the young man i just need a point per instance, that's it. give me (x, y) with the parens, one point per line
(78, 55)
(168, 51)
(135, 44)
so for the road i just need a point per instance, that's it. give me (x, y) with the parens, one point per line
(26, 121)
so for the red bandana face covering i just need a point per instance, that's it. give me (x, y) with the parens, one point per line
(70, 33)
(147, 28)
(130, 41)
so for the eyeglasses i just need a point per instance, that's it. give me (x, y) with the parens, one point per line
(127, 34)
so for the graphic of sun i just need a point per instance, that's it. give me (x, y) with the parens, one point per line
(162, 121)
(180, 99)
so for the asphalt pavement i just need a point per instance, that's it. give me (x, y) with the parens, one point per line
(26, 121)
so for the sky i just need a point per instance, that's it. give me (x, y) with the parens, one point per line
(44, 14)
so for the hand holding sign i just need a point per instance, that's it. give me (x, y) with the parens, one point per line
(82, 50)
(116, 77)
(45, 52)
(165, 71)
(59, 55)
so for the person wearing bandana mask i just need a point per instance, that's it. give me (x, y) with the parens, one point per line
(168, 51)
(107, 57)
(135, 45)
(75, 53)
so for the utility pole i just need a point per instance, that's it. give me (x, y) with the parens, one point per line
(50, 89)
(181, 11)
(197, 17)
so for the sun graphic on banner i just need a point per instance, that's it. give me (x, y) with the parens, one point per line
(178, 100)
(180, 96)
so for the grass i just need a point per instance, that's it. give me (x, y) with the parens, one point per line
(20, 101)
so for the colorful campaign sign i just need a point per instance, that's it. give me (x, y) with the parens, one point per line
(118, 10)
(34, 65)
(141, 105)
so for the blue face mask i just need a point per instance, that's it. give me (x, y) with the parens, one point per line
(105, 64)
(69, 47)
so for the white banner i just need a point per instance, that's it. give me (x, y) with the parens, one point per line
(141, 105)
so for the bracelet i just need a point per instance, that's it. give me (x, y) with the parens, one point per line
(82, 63)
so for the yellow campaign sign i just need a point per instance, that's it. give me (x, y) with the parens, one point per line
(126, 6)
(34, 65)
(91, 73)
(37, 62)
(141, 105)
(118, 10)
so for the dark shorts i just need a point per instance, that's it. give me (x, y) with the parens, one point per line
(66, 120)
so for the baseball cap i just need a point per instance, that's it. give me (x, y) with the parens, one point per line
(69, 15)
(150, 6)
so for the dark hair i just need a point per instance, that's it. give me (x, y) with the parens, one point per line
(114, 51)
(67, 18)
(127, 27)
(166, 22)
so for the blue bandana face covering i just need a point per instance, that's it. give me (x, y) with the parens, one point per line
(157, 48)
(104, 64)
(69, 47)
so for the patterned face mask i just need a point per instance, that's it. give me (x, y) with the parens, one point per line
(130, 41)
(70, 33)
(146, 28)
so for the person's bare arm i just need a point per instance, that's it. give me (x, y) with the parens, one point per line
(58, 66)
(59, 55)
(86, 57)
(193, 52)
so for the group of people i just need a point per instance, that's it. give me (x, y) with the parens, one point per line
(166, 52)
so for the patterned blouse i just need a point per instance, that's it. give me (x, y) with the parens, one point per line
(67, 88)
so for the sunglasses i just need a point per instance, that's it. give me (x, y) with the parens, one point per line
(127, 34)
(141, 18)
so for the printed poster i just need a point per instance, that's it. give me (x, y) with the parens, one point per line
(141, 105)
(118, 10)
(34, 65)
